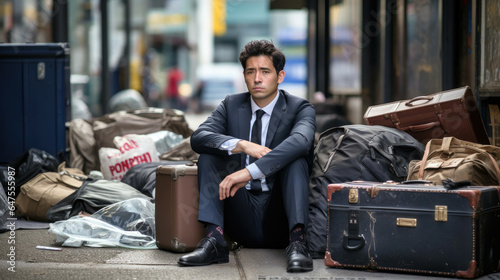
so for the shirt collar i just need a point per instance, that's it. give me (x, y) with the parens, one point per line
(268, 109)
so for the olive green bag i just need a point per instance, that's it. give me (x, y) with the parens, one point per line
(457, 160)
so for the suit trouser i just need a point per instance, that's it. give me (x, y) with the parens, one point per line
(254, 219)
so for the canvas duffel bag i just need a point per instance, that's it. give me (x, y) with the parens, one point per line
(457, 160)
(142, 121)
(46, 189)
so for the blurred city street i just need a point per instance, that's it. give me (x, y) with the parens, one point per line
(194, 120)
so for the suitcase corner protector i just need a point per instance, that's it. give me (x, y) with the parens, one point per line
(178, 246)
(158, 169)
(473, 196)
(472, 272)
(329, 261)
(332, 188)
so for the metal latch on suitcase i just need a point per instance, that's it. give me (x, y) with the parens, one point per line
(406, 222)
(441, 213)
(353, 196)
(179, 171)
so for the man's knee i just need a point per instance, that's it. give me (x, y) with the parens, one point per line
(295, 178)
(297, 167)
(224, 164)
(212, 169)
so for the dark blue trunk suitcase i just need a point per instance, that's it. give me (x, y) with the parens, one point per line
(34, 98)
(414, 228)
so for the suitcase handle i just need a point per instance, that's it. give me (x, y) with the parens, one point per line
(422, 127)
(360, 242)
(418, 98)
(413, 182)
(353, 233)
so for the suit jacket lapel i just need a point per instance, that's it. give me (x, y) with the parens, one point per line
(244, 114)
(278, 111)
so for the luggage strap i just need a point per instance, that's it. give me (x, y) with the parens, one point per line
(353, 233)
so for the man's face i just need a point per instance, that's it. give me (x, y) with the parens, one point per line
(261, 79)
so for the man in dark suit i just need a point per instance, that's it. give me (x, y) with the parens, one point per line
(253, 170)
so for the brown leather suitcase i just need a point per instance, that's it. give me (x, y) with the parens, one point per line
(176, 210)
(448, 113)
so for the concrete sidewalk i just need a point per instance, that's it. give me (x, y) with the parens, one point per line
(118, 263)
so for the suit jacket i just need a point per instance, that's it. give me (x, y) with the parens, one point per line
(290, 134)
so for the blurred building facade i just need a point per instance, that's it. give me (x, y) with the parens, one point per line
(354, 52)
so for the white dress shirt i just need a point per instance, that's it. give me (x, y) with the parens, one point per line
(231, 144)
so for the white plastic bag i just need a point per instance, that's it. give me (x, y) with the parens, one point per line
(132, 149)
(128, 224)
(165, 140)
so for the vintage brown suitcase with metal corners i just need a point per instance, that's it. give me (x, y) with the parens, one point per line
(176, 208)
(414, 228)
(448, 113)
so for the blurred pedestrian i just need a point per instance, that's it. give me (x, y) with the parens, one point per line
(174, 77)
(195, 101)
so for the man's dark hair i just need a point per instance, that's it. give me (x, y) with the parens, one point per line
(263, 47)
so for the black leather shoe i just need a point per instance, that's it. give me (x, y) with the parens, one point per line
(299, 259)
(206, 252)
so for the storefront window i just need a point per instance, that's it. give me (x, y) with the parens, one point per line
(345, 56)
(288, 30)
(345, 47)
(490, 54)
(423, 59)
(25, 21)
(84, 39)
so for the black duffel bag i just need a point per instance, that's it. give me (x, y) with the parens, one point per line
(349, 153)
(143, 175)
(27, 166)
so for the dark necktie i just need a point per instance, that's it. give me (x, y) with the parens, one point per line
(256, 136)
